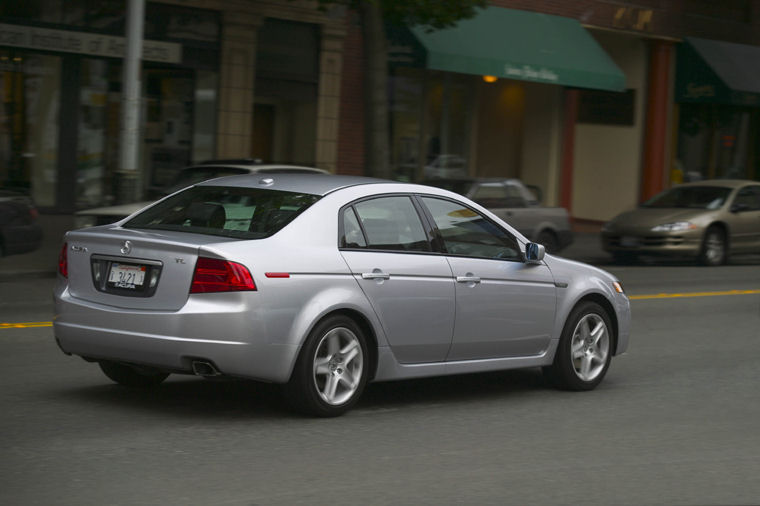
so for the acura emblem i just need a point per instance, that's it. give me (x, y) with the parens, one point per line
(126, 248)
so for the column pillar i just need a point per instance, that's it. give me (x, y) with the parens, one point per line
(568, 149)
(236, 85)
(328, 98)
(656, 134)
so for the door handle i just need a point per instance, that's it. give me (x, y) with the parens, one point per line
(468, 279)
(376, 274)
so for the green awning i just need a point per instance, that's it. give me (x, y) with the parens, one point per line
(712, 71)
(522, 45)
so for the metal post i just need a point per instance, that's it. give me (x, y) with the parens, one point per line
(128, 173)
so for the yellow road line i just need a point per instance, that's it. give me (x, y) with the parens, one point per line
(26, 325)
(693, 294)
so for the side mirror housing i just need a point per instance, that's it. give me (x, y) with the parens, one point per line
(738, 208)
(534, 253)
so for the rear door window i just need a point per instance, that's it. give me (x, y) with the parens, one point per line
(384, 223)
(245, 213)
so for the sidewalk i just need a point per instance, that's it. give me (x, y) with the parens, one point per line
(43, 262)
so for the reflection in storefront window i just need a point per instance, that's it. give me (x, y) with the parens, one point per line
(91, 147)
(29, 89)
(431, 117)
(716, 141)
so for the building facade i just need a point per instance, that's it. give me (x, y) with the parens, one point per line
(282, 80)
(220, 79)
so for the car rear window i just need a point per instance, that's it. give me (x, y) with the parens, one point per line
(244, 213)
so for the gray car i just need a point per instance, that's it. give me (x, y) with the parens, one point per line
(325, 283)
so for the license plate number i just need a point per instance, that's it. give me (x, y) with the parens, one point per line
(126, 275)
(629, 242)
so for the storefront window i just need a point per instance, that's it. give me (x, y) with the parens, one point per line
(716, 141)
(431, 118)
(448, 119)
(407, 93)
(29, 93)
(91, 147)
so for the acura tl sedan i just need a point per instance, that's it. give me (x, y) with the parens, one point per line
(323, 284)
(706, 220)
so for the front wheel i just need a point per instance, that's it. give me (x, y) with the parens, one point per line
(132, 376)
(331, 370)
(714, 251)
(584, 351)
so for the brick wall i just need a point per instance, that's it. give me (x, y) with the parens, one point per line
(351, 127)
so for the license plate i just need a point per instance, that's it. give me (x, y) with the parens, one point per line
(126, 276)
(629, 242)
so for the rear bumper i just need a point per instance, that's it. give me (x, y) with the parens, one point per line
(226, 334)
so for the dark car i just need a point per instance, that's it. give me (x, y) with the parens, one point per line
(19, 230)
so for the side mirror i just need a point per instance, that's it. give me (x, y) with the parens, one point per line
(738, 208)
(534, 253)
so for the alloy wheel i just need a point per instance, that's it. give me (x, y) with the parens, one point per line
(338, 365)
(590, 347)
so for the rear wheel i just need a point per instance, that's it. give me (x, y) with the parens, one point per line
(132, 376)
(331, 370)
(714, 251)
(584, 351)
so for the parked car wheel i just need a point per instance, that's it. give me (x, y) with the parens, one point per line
(584, 351)
(132, 376)
(714, 251)
(331, 370)
(549, 240)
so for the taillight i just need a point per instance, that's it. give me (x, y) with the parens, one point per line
(63, 261)
(33, 213)
(214, 275)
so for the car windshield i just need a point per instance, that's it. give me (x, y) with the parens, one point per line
(690, 197)
(244, 213)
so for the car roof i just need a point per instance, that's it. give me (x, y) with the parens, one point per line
(255, 168)
(727, 183)
(314, 184)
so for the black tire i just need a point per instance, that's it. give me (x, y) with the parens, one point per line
(624, 257)
(132, 376)
(549, 240)
(308, 390)
(714, 249)
(564, 373)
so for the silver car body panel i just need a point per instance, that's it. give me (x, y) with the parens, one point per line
(258, 334)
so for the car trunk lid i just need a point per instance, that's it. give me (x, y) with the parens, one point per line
(136, 269)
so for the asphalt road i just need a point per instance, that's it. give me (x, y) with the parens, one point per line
(675, 422)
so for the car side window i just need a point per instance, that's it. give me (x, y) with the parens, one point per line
(468, 233)
(749, 196)
(388, 223)
(352, 233)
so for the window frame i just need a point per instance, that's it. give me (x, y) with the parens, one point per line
(420, 216)
(442, 244)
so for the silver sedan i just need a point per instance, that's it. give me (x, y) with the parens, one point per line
(323, 284)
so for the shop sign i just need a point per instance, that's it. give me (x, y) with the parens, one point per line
(528, 73)
(84, 43)
(696, 91)
(632, 18)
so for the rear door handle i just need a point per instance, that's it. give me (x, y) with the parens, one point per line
(376, 274)
(468, 279)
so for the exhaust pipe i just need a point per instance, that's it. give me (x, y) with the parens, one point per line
(205, 369)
